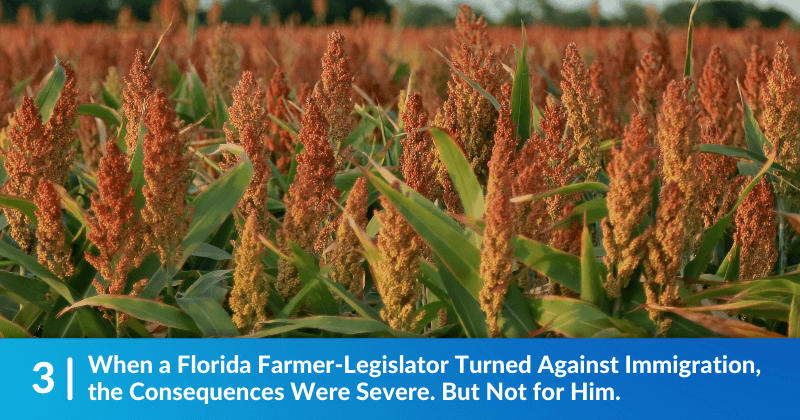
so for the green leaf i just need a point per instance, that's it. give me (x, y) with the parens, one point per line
(209, 316)
(521, 94)
(567, 189)
(93, 324)
(465, 181)
(697, 266)
(32, 290)
(198, 97)
(100, 111)
(536, 118)
(749, 156)
(47, 98)
(445, 237)
(10, 329)
(794, 317)
(205, 250)
(726, 326)
(687, 70)
(157, 48)
(576, 318)
(26, 207)
(322, 301)
(552, 88)
(335, 324)
(561, 267)
(214, 204)
(594, 210)
(221, 114)
(467, 308)
(30, 263)
(68, 326)
(111, 100)
(729, 269)
(449, 242)
(144, 309)
(591, 284)
(211, 285)
(752, 132)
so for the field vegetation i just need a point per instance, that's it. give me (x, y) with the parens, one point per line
(377, 181)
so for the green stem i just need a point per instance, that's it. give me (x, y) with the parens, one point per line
(170, 272)
(119, 327)
(781, 236)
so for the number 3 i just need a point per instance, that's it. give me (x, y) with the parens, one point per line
(46, 377)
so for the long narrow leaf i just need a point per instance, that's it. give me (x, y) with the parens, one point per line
(460, 171)
(521, 94)
(144, 309)
(209, 316)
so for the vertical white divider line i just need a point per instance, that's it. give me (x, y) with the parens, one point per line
(69, 378)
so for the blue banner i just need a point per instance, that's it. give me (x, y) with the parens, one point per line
(399, 379)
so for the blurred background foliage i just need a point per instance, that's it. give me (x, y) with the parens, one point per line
(734, 14)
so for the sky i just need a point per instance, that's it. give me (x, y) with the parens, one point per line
(497, 8)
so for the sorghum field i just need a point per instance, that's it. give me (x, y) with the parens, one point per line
(378, 181)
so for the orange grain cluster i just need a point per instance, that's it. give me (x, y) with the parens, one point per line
(51, 248)
(333, 94)
(475, 117)
(396, 274)
(419, 153)
(114, 227)
(631, 172)
(250, 285)
(582, 111)
(780, 112)
(347, 269)
(279, 141)
(497, 254)
(664, 252)
(678, 140)
(247, 126)
(311, 195)
(138, 87)
(755, 79)
(166, 173)
(37, 151)
(756, 227)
